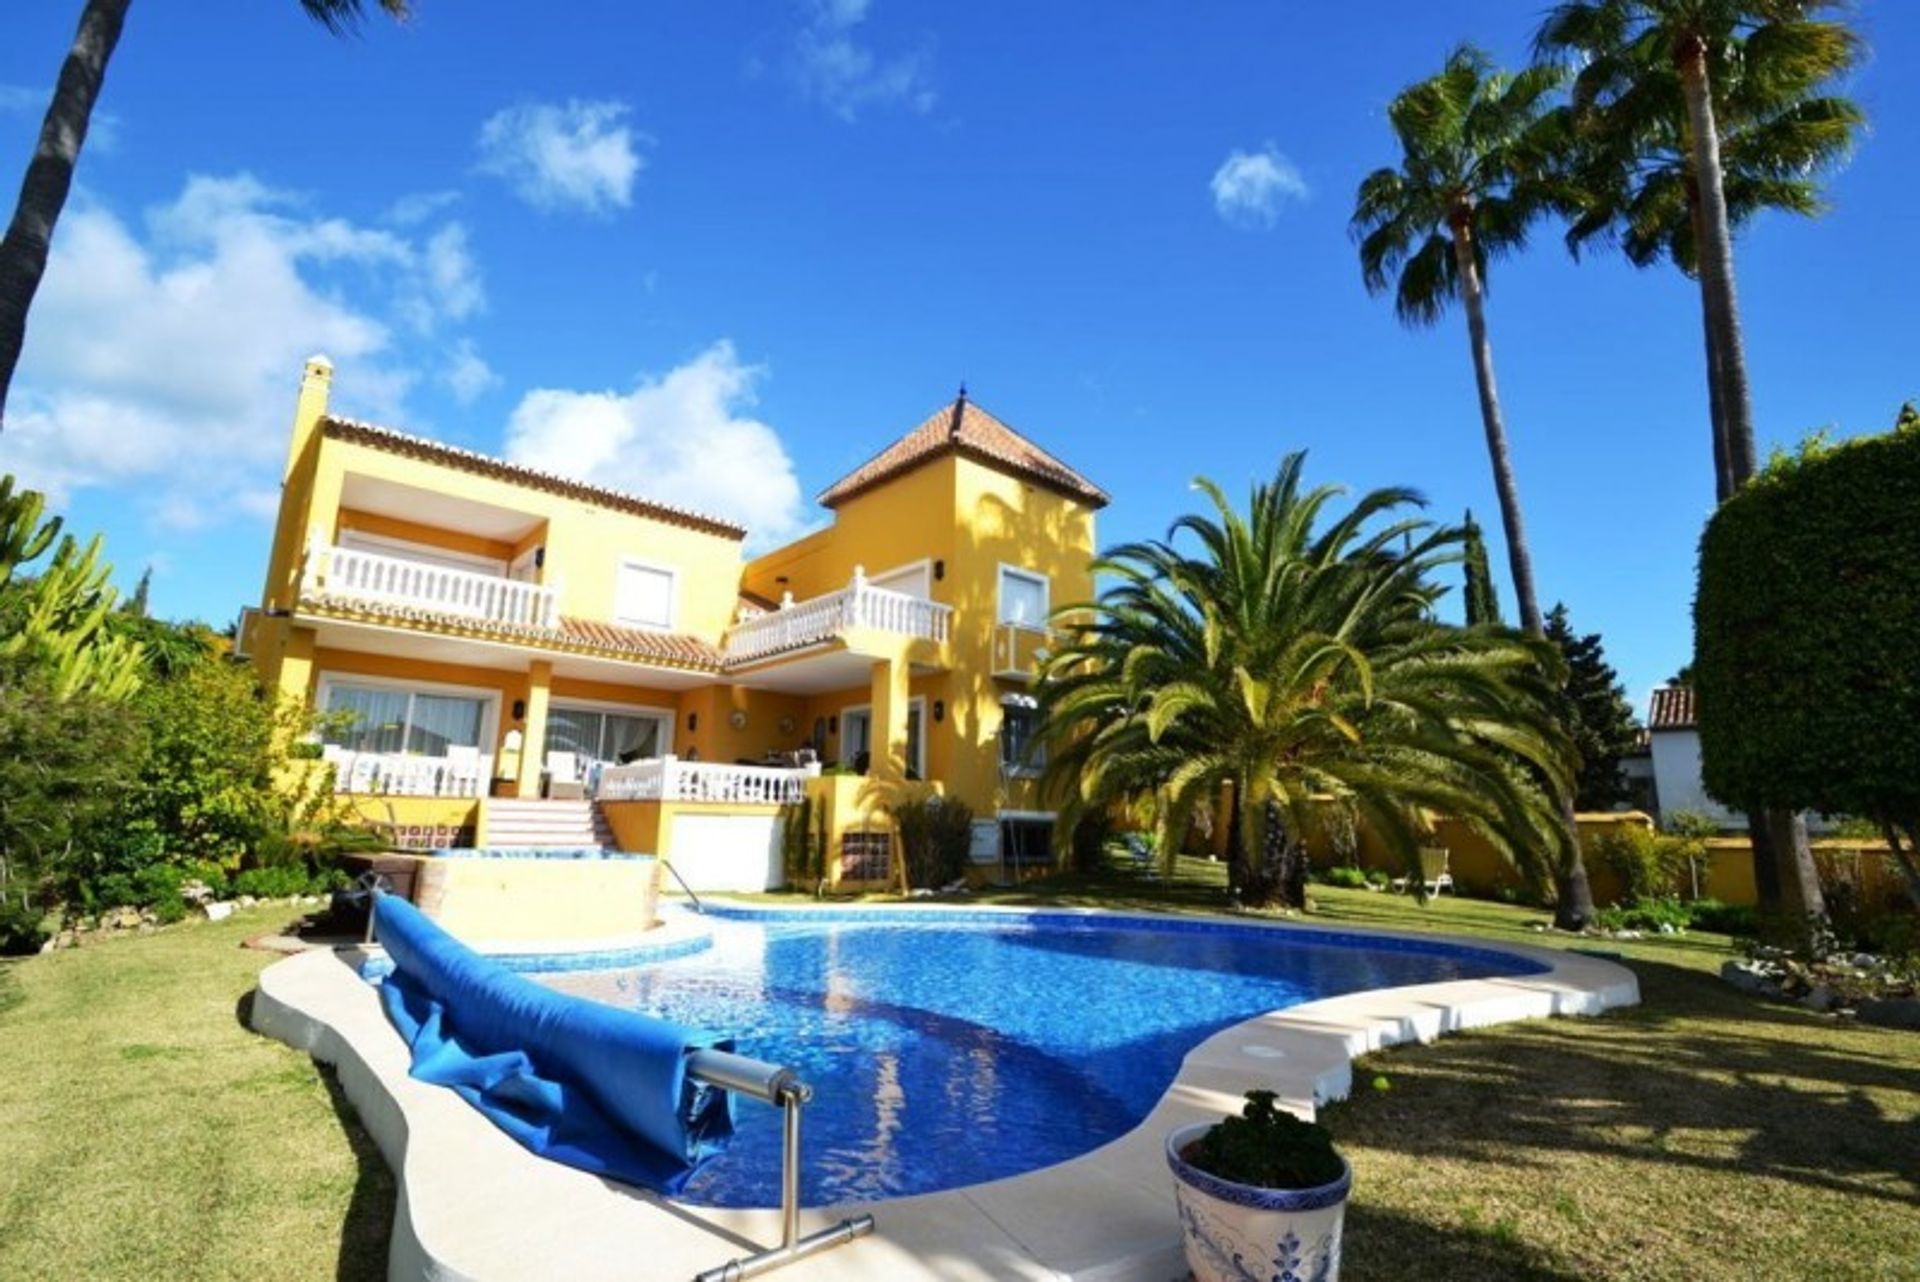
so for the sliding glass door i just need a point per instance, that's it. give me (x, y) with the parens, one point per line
(604, 736)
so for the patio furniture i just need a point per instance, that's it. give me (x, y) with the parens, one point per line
(563, 777)
(1142, 855)
(1434, 874)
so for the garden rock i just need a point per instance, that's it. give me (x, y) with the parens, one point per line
(1891, 1012)
(1820, 998)
(1749, 977)
(217, 910)
(247, 901)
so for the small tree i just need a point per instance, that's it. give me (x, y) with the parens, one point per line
(1482, 597)
(1807, 629)
(1597, 714)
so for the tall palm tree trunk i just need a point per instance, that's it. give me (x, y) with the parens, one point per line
(1723, 486)
(1783, 859)
(1519, 555)
(43, 193)
(1573, 897)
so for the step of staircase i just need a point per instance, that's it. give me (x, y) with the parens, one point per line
(551, 825)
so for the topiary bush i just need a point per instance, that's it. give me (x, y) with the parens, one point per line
(1342, 876)
(1807, 627)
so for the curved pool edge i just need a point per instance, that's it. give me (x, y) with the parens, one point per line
(473, 1204)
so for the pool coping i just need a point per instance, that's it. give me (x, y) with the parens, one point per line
(473, 1204)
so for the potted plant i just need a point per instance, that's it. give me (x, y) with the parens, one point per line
(1261, 1195)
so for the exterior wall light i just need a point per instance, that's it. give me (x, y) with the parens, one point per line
(939, 709)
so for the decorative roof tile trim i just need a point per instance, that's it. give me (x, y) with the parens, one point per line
(964, 428)
(670, 649)
(395, 442)
(1672, 709)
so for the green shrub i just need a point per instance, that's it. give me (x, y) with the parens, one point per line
(281, 882)
(1377, 877)
(1267, 1147)
(936, 837)
(1649, 864)
(1340, 875)
(1724, 919)
(1646, 914)
(1806, 619)
(22, 929)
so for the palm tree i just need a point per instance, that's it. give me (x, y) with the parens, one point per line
(1469, 185)
(43, 193)
(1635, 176)
(1691, 74)
(1292, 661)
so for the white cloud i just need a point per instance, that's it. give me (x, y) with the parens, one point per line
(410, 211)
(564, 156)
(685, 437)
(1250, 187)
(162, 358)
(832, 66)
(466, 375)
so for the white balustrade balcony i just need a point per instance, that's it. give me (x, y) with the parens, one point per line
(671, 779)
(402, 774)
(795, 625)
(378, 580)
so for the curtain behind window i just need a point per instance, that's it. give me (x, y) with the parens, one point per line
(379, 721)
(440, 721)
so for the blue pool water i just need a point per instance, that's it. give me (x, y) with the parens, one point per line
(947, 1054)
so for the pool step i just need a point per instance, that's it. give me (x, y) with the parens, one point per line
(530, 824)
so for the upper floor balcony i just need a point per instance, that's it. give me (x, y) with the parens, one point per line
(796, 625)
(383, 581)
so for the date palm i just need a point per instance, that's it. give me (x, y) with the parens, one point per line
(1636, 177)
(49, 177)
(1733, 63)
(1287, 656)
(1474, 145)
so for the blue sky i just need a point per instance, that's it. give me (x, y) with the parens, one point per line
(720, 253)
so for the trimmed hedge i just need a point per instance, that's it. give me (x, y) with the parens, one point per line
(1808, 632)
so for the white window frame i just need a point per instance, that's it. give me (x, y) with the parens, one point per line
(667, 716)
(673, 594)
(489, 700)
(1000, 597)
(427, 553)
(916, 704)
(923, 569)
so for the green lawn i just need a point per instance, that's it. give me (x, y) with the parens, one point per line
(1702, 1135)
(147, 1134)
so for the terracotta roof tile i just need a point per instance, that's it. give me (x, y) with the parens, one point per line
(420, 447)
(1672, 709)
(964, 428)
(666, 647)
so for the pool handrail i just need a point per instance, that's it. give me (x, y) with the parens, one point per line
(697, 906)
(781, 1087)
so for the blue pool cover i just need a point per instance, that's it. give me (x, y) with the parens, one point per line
(602, 1089)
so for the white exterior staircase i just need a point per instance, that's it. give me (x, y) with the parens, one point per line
(549, 825)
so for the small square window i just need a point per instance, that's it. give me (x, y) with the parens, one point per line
(644, 596)
(1023, 597)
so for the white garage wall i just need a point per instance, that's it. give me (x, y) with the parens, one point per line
(727, 852)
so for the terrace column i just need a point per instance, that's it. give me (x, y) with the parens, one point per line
(888, 754)
(533, 728)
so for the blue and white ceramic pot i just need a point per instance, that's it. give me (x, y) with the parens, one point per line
(1242, 1233)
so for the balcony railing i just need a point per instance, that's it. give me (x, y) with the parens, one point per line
(401, 774)
(375, 579)
(671, 779)
(860, 605)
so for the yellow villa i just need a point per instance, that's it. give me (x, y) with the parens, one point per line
(505, 657)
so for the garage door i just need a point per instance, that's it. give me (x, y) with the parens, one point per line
(728, 852)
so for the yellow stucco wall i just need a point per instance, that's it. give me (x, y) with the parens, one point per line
(521, 900)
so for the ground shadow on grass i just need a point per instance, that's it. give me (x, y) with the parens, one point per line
(1378, 1243)
(368, 1226)
(10, 994)
(1700, 1092)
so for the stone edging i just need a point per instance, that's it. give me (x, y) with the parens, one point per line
(473, 1204)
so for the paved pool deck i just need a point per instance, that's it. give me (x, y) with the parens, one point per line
(475, 1205)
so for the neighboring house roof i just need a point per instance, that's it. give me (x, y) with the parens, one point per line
(1672, 709)
(420, 447)
(965, 429)
(1642, 742)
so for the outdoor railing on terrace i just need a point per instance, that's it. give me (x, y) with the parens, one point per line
(402, 774)
(860, 605)
(671, 779)
(374, 578)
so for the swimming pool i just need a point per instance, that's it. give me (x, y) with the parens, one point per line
(953, 1048)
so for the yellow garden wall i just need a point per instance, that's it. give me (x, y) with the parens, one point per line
(524, 900)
